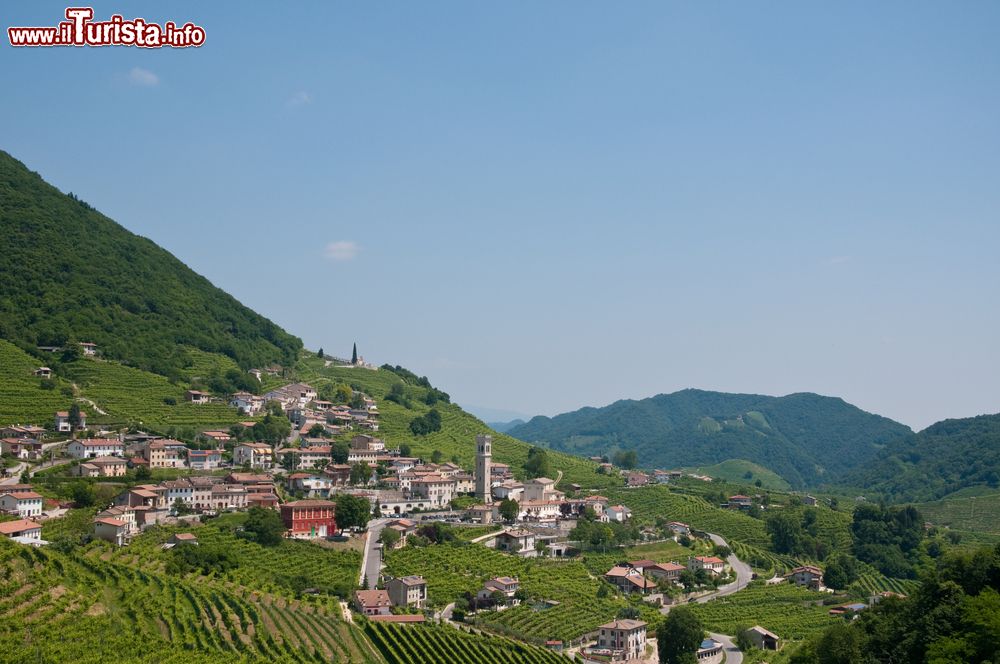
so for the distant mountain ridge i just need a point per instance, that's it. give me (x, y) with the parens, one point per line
(806, 438)
(943, 458)
(69, 273)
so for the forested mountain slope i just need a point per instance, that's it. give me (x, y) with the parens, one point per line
(806, 438)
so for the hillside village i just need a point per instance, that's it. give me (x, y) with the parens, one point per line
(332, 459)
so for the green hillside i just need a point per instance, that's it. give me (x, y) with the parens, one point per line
(110, 393)
(70, 273)
(940, 460)
(805, 438)
(742, 471)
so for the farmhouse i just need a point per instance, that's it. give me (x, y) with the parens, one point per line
(504, 587)
(204, 459)
(629, 580)
(23, 530)
(625, 639)
(407, 591)
(23, 504)
(111, 530)
(63, 424)
(372, 602)
(710, 564)
(107, 466)
(519, 541)
(763, 639)
(809, 576)
(21, 448)
(89, 448)
(197, 396)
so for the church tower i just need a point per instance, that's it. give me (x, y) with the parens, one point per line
(484, 454)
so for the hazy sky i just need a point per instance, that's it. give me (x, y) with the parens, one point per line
(548, 205)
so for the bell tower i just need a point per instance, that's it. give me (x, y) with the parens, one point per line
(484, 455)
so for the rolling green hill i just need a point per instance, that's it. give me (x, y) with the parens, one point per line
(742, 471)
(940, 460)
(805, 438)
(70, 273)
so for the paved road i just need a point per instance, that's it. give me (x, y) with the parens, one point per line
(15, 474)
(733, 654)
(743, 574)
(371, 562)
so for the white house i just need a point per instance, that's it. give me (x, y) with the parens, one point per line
(21, 530)
(251, 404)
(25, 504)
(618, 513)
(88, 448)
(256, 455)
(63, 424)
(710, 564)
(626, 639)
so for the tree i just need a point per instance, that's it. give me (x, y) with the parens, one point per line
(343, 393)
(352, 511)
(679, 637)
(841, 571)
(82, 494)
(537, 464)
(354, 354)
(743, 640)
(436, 456)
(404, 450)
(181, 508)
(509, 509)
(74, 416)
(142, 473)
(339, 452)
(627, 459)
(786, 532)
(319, 353)
(389, 537)
(317, 430)
(264, 526)
(361, 473)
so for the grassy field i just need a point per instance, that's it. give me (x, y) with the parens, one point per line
(736, 471)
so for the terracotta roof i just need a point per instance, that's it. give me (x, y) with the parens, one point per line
(22, 495)
(111, 522)
(623, 624)
(372, 598)
(310, 503)
(10, 527)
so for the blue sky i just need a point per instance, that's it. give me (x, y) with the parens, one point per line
(548, 205)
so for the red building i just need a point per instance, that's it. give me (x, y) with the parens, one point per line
(309, 518)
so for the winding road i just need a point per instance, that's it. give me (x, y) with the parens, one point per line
(744, 574)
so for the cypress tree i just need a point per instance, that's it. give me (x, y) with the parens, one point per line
(354, 355)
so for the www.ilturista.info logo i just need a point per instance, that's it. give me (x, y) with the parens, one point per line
(81, 30)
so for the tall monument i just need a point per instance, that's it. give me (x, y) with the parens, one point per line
(484, 454)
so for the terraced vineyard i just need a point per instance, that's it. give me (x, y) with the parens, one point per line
(648, 503)
(129, 395)
(789, 611)
(22, 400)
(416, 644)
(88, 608)
(283, 569)
(452, 570)
(871, 581)
(458, 428)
